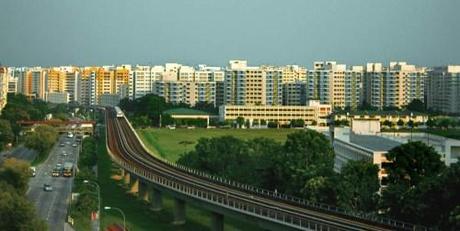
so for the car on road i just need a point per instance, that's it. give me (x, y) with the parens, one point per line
(62, 144)
(47, 188)
(64, 153)
(56, 172)
(68, 142)
(74, 145)
(33, 171)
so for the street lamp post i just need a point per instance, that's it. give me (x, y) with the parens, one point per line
(98, 197)
(122, 214)
(411, 125)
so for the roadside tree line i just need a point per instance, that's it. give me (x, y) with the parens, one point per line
(17, 213)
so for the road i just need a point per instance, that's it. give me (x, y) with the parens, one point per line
(52, 206)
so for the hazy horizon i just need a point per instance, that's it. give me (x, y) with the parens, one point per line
(353, 32)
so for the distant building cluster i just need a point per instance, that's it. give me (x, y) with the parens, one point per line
(238, 84)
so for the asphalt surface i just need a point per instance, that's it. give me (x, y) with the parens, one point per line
(20, 152)
(52, 206)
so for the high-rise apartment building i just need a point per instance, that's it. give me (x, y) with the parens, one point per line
(86, 86)
(443, 89)
(244, 85)
(334, 84)
(293, 73)
(31, 82)
(3, 87)
(63, 79)
(394, 86)
(112, 82)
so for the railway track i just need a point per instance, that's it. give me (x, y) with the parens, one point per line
(128, 151)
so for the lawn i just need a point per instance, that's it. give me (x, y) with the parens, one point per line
(138, 215)
(453, 133)
(171, 144)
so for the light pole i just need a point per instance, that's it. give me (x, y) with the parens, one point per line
(93, 183)
(411, 125)
(122, 214)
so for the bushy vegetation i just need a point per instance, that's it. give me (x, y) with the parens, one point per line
(16, 211)
(420, 188)
(87, 199)
(42, 140)
(146, 111)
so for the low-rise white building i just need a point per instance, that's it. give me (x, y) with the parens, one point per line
(350, 146)
(312, 114)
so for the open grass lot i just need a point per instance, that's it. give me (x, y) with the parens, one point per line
(138, 215)
(171, 144)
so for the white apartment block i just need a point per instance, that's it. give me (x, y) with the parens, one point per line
(394, 86)
(443, 89)
(12, 81)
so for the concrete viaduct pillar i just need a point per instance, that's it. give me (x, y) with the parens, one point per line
(217, 222)
(126, 177)
(143, 190)
(156, 200)
(133, 183)
(179, 212)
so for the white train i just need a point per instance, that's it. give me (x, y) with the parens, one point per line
(119, 112)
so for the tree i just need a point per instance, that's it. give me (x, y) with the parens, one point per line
(411, 163)
(42, 139)
(272, 124)
(6, 133)
(400, 123)
(240, 121)
(430, 123)
(388, 123)
(444, 123)
(307, 160)
(16, 173)
(297, 123)
(416, 105)
(17, 212)
(411, 124)
(438, 201)
(358, 186)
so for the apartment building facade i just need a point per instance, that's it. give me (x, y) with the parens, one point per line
(443, 89)
(313, 113)
(3, 87)
(394, 86)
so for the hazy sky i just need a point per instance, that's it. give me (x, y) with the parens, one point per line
(83, 32)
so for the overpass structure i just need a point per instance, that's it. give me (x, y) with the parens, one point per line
(75, 126)
(153, 176)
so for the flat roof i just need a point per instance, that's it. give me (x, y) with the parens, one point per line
(374, 143)
(185, 111)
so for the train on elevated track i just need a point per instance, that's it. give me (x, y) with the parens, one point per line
(119, 112)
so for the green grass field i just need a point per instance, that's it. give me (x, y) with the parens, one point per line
(138, 215)
(171, 144)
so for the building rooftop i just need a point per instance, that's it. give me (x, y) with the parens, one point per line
(185, 111)
(374, 143)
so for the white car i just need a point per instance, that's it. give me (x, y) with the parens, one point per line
(74, 145)
(47, 188)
